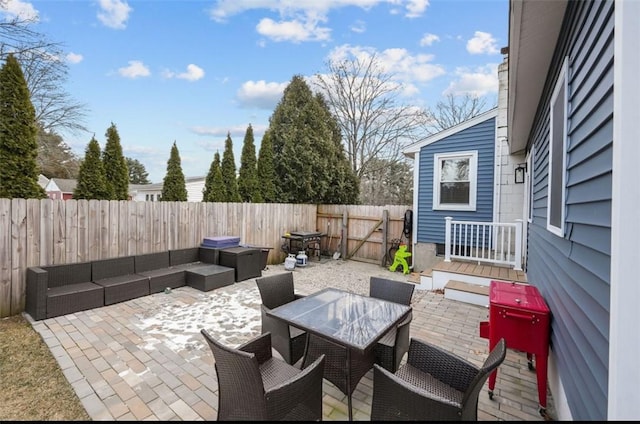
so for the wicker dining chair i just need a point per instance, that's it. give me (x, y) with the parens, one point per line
(434, 384)
(276, 290)
(253, 385)
(391, 348)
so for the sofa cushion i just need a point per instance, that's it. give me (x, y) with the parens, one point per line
(209, 255)
(62, 275)
(72, 298)
(183, 256)
(107, 268)
(151, 261)
(160, 279)
(124, 287)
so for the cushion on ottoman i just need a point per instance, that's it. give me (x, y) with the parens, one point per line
(209, 277)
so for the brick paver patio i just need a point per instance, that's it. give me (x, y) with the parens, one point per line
(145, 359)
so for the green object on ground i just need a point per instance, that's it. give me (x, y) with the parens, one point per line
(400, 258)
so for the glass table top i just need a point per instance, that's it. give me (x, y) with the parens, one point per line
(347, 318)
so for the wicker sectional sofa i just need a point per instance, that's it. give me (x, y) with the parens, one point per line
(56, 290)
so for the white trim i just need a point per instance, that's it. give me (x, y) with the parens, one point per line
(624, 337)
(414, 148)
(528, 189)
(472, 155)
(416, 207)
(562, 85)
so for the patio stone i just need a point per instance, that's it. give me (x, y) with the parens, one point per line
(153, 363)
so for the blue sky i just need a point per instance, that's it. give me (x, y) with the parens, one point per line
(191, 71)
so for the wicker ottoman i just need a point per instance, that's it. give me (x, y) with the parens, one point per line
(209, 277)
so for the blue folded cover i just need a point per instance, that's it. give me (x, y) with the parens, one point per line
(221, 241)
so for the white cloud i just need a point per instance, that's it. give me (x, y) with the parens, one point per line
(193, 73)
(114, 13)
(478, 82)
(359, 27)
(20, 9)
(260, 94)
(236, 131)
(294, 30)
(429, 39)
(135, 69)
(224, 9)
(74, 58)
(404, 67)
(482, 43)
(416, 8)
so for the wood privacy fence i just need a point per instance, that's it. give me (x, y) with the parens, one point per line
(37, 232)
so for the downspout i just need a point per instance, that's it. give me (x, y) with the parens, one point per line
(498, 179)
(414, 229)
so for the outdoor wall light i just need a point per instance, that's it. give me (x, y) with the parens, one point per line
(519, 173)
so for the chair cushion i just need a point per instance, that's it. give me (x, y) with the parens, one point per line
(441, 391)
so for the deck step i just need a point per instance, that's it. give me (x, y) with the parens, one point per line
(466, 292)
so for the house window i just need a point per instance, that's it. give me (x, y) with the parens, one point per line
(454, 181)
(557, 155)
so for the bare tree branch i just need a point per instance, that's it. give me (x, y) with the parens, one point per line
(46, 73)
(374, 124)
(454, 110)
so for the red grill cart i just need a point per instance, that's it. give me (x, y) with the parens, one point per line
(519, 313)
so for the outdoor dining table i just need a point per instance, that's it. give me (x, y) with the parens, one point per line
(348, 320)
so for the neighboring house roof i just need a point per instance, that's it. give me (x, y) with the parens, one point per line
(145, 187)
(414, 148)
(43, 181)
(156, 188)
(62, 185)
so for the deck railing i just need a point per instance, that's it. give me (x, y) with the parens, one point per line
(491, 242)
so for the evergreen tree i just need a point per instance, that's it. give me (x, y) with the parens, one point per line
(266, 172)
(92, 183)
(306, 156)
(18, 136)
(115, 166)
(174, 187)
(344, 185)
(229, 172)
(137, 172)
(248, 186)
(214, 190)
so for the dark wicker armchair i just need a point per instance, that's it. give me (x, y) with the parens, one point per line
(391, 348)
(433, 385)
(253, 385)
(276, 290)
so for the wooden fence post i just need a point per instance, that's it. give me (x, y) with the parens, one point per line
(385, 229)
(343, 234)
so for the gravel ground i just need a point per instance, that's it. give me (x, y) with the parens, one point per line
(347, 275)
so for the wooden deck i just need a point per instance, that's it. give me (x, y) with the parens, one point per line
(480, 270)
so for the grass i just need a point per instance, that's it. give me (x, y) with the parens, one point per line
(32, 385)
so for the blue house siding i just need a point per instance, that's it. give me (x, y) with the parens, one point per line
(481, 138)
(573, 272)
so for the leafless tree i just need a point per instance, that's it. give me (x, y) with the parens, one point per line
(454, 110)
(46, 73)
(374, 124)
